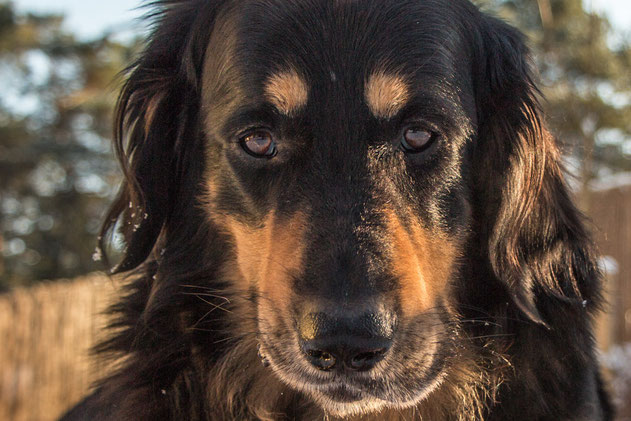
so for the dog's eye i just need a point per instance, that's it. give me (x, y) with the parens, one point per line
(416, 139)
(259, 143)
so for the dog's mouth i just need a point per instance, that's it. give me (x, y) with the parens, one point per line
(409, 372)
(342, 393)
(355, 397)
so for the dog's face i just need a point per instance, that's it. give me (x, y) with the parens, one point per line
(336, 137)
(365, 186)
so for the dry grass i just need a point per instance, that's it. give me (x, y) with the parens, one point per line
(45, 334)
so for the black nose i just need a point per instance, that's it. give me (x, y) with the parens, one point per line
(336, 342)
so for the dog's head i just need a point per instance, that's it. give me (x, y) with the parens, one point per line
(370, 169)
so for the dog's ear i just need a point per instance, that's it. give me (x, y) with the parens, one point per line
(535, 238)
(156, 129)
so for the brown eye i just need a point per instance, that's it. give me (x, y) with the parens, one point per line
(416, 139)
(259, 143)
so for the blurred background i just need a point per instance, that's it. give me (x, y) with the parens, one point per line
(59, 61)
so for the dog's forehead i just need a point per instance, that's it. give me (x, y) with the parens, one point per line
(374, 50)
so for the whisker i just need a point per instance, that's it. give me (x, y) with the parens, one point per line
(202, 294)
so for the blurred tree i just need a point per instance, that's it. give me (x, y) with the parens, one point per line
(586, 81)
(56, 170)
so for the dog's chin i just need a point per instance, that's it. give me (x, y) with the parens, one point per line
(342, 399)
(346, 401)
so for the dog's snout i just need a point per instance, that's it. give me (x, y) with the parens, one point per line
(341, 352)
(353, 342)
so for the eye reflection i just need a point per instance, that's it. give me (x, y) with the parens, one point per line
(416, 139)
(259, 143)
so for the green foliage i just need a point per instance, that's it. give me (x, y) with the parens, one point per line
(56, 168)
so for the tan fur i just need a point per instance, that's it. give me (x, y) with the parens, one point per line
(423, 263)
(267, 257)
(150, 113)
(287, 91)
(530, 166)
(386, 94)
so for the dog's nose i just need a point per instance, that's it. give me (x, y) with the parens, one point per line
(336, 342)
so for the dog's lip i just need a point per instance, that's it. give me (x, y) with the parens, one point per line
(347, 387)
(342, 392)
(345, 379)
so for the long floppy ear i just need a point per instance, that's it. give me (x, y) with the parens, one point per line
(537, 244)
(156, 132)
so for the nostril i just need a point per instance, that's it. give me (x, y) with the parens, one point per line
(366, 360)
(321, 359)
(345, 341)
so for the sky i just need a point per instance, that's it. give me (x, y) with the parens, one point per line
(618, 12)
(90, 18)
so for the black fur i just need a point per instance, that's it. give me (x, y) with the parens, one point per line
(513, 335)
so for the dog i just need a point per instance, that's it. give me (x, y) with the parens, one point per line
(344, 209)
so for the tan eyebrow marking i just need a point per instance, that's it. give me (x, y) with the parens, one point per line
(386, 94)
(287, 91)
